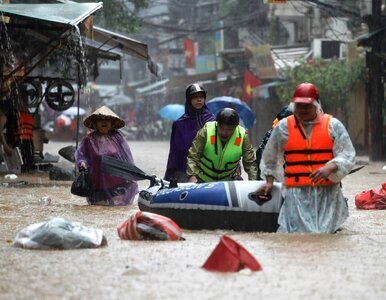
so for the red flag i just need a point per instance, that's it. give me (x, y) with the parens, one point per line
(189, 52)
(250, 82)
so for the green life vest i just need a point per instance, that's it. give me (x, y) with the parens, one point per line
(220, 165)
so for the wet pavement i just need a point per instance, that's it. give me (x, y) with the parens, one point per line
(347, 265)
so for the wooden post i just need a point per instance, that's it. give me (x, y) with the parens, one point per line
(1, 60)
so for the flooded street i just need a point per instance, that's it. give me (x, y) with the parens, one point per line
(347, 265)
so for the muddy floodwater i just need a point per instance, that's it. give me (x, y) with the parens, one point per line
(348, 265)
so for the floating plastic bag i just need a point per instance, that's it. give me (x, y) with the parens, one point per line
(372, 199)
(59, 233)
(230, 256)
(149, 226)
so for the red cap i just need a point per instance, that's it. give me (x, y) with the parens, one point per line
(305, 93)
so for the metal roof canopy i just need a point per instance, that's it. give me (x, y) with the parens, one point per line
(71, 14)
(66, 13)
(125, 44)
(64, 16)
(121, 42)
(289, 56)
(102, 51)
(152, 86)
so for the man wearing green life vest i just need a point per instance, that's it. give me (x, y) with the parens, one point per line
(218, 148)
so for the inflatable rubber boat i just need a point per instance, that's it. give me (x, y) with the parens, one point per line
(216, 205)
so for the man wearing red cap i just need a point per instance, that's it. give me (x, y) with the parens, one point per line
(317, 153)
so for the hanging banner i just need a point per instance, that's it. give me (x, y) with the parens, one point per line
(262, 58)
(218, 37)
(190, 53)
(207, 63)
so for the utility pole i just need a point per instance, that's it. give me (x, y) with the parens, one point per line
(1, 60)
(375, 67)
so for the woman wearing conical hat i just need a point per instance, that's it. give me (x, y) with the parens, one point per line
(105, 139)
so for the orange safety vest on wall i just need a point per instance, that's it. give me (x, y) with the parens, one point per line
(24, 127)
(302, 155)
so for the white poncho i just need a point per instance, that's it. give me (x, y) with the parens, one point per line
(321, 209)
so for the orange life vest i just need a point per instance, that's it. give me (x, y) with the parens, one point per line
(24, 127)
(302, 155)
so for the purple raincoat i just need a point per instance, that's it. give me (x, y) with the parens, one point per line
(107, 190)
(184, 131)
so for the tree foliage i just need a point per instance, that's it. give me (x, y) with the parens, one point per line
(274, 27)
(334, 80)
(120, 15)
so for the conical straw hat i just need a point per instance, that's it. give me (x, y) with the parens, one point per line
(104, 111)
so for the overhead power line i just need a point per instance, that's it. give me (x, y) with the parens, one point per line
(211, 29)
(335, 7)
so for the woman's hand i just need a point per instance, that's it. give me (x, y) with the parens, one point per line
(83, 166)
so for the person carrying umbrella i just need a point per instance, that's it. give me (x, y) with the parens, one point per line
(184, 130)
(318, 153)
(218, 148)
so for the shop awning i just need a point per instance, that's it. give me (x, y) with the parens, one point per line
(124, 44)
(101, 50)
(121, 42)
(263, 90)
(93, 47)
(71, 14)
(66, 13)
(285, 57)
(156, 86)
